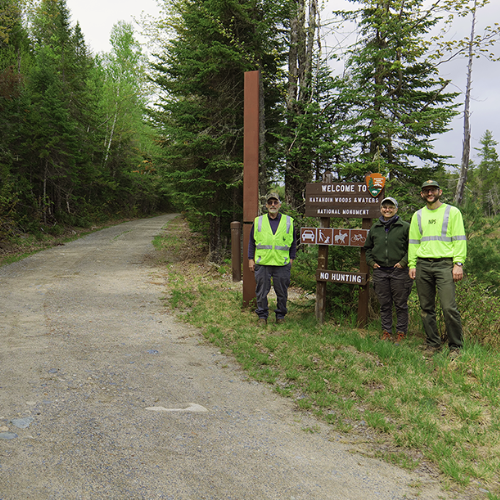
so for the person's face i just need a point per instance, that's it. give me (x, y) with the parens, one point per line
(431, 194)
(273, 206)
(388, 210)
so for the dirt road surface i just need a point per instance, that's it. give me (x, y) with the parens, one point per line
(104, 395)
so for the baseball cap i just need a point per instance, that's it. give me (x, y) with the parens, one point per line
(392, 200)
(273, 195)
(430, 183)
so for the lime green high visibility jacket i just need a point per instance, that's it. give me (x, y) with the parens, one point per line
(437, 234)
(273, 249)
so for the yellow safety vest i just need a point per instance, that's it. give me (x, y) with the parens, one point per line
(273, 249)
(437, 233)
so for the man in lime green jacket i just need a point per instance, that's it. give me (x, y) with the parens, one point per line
(436, 253)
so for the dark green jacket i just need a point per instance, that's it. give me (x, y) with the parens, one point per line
(387, 249)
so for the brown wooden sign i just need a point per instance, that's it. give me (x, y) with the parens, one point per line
(333, 236)
(342, 199)
(341, 277)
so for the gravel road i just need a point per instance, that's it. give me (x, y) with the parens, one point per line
(104, 395)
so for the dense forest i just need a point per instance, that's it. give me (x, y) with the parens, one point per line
(86, 137)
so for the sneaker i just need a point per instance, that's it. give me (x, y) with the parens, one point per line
(400, 337)
(386, 335)
(262, 322)
(280, 321)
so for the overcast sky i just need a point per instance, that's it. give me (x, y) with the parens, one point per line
(97, 17)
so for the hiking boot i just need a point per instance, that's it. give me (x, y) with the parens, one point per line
(262, 322)
(279, 321)
(454, 354)
(430, 350)
(400, 336)
(386, 335)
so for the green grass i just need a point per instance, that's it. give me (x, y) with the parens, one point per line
(420, 408)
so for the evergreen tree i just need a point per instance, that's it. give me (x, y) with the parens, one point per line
(485, 181)
(14, 44)
(200, 114)
(397, 101)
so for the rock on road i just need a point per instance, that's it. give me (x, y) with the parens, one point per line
(104, 395)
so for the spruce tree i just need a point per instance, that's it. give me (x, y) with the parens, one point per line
(485, 181)
(397, 101)
(200, 114)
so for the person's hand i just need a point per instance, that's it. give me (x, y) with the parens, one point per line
(375, 266)
(291, 261)
(251, 265)
(412, 273)
(399, 266)
(458, 273)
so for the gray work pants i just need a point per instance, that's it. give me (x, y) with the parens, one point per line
(393, 287)
(281, 282)
(432, 275)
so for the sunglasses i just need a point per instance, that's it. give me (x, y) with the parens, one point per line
(273, 202)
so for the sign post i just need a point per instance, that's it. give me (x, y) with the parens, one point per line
(364, 290)
(321, 285)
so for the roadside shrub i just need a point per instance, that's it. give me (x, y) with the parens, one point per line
(478, 308)
(55, 230)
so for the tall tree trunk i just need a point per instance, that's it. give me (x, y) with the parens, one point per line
(462, 180)
(112, 129)
(300, 58)
(44, 199)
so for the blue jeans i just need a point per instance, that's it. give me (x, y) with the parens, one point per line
(281, 282)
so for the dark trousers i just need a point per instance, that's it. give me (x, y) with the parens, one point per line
(438, 275)
(281, 282)
(393, 287)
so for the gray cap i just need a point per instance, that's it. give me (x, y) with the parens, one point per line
(273, 195)
(392, 200)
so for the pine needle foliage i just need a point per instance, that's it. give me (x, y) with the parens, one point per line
(200, 76)
(396, 101)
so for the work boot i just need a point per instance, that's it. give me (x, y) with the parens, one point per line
(386, 335)
(262, 322)
(400, 336)
(279, 321)
(430, 350)
(454, 354)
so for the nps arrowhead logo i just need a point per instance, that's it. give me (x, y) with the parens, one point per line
(375, 183)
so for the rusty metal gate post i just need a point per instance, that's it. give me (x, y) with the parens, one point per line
(236, 250)
(250, 174)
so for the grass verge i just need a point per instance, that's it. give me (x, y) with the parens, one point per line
(408, 408)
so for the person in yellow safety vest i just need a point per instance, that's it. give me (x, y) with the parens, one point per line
(436, 254)
(271, 251)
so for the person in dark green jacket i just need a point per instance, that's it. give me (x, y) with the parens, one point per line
(387, 253)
